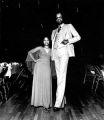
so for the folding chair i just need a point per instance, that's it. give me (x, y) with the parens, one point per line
(99, 77)
(90, 75)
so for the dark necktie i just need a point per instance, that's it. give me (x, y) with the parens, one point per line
(55, 42)
(59, 28)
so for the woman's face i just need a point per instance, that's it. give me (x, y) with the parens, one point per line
(46, 41)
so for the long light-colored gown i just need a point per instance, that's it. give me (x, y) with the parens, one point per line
(42, 84)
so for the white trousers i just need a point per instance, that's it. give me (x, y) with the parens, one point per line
(61, 63)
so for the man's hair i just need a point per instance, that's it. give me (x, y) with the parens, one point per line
(59, 13)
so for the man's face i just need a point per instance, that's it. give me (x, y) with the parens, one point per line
(59, 18)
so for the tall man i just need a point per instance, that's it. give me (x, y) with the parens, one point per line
(62, 38)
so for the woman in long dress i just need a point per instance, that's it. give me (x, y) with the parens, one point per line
(42, 84)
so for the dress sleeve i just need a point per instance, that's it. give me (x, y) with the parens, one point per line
(35, 53)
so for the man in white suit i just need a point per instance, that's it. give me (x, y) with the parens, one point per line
(62, 38)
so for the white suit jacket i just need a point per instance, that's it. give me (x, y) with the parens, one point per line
(67, 32)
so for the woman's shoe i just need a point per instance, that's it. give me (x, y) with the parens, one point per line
(47, 109)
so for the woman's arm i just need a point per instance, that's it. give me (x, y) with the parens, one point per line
(51, 53)
(33, 51)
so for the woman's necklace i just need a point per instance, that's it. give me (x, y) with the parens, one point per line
(46, 49)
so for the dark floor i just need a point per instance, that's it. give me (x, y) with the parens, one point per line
(81, 105)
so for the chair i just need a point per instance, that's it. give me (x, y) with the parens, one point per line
(3, 84)
(3, 90)
(99, 77)
(90, 75)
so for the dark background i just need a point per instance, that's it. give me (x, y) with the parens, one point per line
(24, 23)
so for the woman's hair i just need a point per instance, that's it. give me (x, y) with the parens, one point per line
(45, 37)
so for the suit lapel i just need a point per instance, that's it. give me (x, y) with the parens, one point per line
(55, 33)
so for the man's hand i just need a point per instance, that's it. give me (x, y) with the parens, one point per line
(64, 42)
